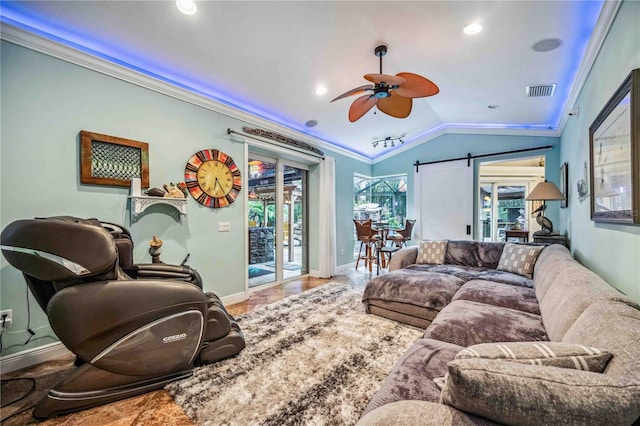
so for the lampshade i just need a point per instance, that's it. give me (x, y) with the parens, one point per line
(545, 191)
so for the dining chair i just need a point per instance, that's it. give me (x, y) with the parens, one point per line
(368, 238)
(401, 236)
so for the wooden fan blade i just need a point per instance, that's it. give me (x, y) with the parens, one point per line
(390, 80)
(395, 106)
(356, 91)
(416, 86)
(360, 106)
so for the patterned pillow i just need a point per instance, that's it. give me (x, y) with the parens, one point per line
(553, 354)
(519, 259)
(431, 252)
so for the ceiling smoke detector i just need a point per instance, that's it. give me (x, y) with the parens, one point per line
(540, 90)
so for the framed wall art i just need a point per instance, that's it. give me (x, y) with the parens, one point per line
(110, 160)
(564, 185)
(614, 152)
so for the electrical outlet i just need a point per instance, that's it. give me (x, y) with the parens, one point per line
(8, 320)
(224, 227)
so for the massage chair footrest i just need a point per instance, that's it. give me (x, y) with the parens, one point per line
(223, 348)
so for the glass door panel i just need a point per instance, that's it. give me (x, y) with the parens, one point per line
(510, 209)
(502, 207)
(294, 212)
(262, 222)
(486, 212)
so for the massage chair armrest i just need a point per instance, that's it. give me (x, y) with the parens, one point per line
(88, 318)
(163, 271)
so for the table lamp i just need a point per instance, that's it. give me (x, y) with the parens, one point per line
(544, 191)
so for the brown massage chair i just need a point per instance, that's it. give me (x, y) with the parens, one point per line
(133, 328)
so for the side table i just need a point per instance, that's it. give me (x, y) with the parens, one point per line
(551, 239)
(383, 250)
(517, 233)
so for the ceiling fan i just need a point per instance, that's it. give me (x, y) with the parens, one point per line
(391, 93)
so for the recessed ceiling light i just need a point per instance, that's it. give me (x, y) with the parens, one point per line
(188, 7)
(547, 44)
(311, 123)
(472, 28)
(321, 90)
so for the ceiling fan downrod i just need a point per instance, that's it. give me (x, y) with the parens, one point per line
(380, 52)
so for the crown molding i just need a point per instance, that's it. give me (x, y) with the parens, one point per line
(50, 45)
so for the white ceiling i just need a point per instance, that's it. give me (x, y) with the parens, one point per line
(267, 57)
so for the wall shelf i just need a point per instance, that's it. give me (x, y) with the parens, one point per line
(140, 203)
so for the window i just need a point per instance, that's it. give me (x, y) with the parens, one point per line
(382, 199)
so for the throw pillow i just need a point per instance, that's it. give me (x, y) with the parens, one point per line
(519, 259)
(432, 252)
(511, 393)
(553, 354)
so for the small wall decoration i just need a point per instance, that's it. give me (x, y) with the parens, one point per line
(582, 187)
(564, 185)
(110, 160)
(213, 178)
(614, 147)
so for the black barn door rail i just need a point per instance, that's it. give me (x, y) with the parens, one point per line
(469, 157)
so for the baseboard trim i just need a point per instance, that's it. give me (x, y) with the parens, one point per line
(234, 298)
(34, 356)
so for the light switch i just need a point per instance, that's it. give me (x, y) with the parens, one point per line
(224, 227)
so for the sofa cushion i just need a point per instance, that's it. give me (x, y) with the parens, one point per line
(470, 273)
(401, 413)
(431, 252)
(554, 354)
(412, 377)
(512, 393)
(467, 323)
(613, 326)
(473, 253)
(570, 293)
(499, 294)
(519, 259)
(545, 271)
(424, 289)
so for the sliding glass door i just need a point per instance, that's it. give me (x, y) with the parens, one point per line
(503, 207)
(277, 211)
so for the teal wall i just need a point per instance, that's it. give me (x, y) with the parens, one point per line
(45, 104)
(458, 145)
(612, 251)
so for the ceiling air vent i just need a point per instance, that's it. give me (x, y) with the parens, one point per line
(538, 90)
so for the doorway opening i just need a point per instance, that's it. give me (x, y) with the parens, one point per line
(277, 212)
(503, 188)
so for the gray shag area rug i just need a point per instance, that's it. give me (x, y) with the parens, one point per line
(311, 359)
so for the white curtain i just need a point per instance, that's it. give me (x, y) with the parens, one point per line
(327, 225)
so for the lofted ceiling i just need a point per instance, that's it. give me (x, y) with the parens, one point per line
(267, 58)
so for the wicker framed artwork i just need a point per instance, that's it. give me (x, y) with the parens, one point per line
(113, 161)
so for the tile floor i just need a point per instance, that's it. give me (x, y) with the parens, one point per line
(153, 408)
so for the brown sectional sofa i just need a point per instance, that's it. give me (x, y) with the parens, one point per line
(564, 308)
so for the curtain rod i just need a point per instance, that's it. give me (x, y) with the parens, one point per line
(277, 143)
(469, 157)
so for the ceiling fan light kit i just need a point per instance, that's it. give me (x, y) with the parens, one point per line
(391, 94)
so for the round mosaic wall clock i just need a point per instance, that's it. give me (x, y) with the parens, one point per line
(212, 178)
